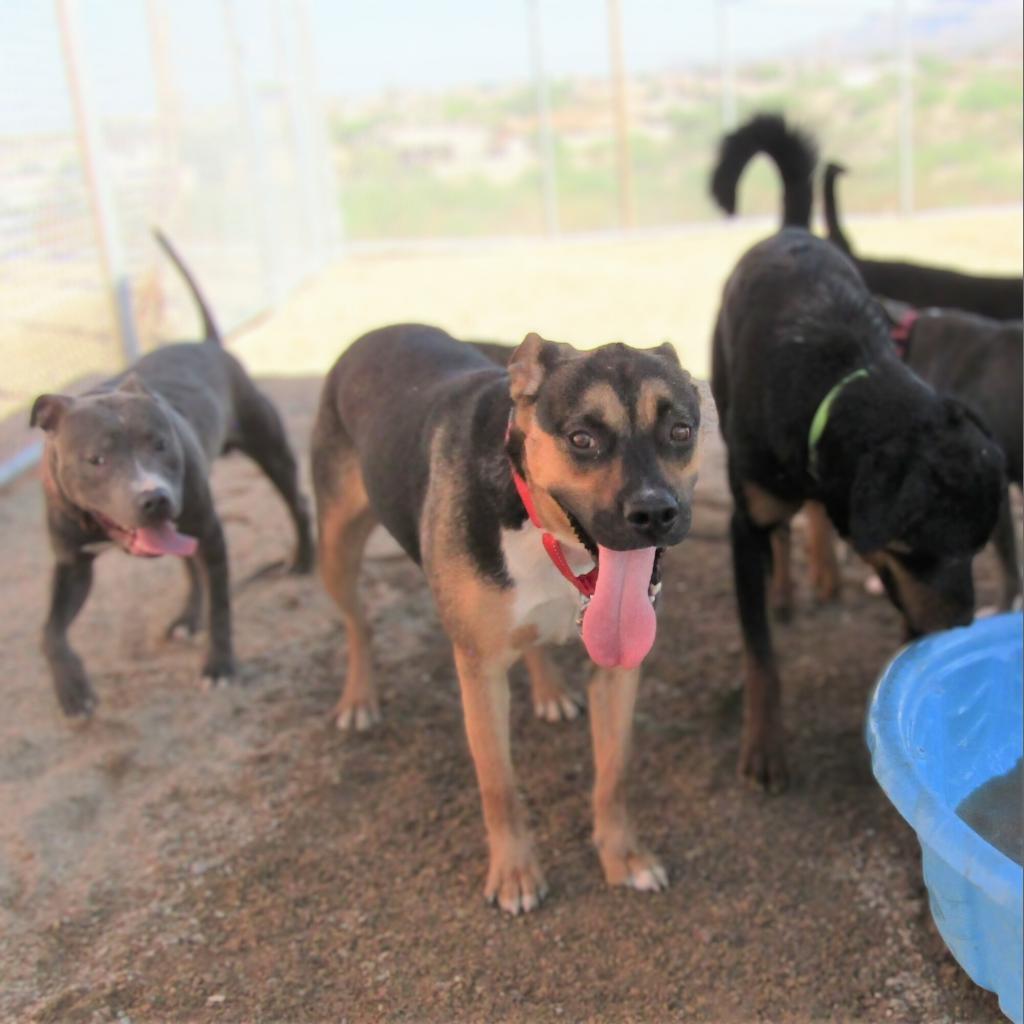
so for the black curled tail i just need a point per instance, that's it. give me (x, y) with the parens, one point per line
(794, 153)
(835, 231)
(211, 332)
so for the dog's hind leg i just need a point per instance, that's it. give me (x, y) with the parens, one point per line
(263, 439)
(821, 553)
(345, 524)
(189, 622)
(1004, 538)
(762, 758)
(552, 699)
(612, 697)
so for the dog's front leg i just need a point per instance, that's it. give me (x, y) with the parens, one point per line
(71, 584)
(514, 877)
(612, 697)
(762, 759)
(213, 559)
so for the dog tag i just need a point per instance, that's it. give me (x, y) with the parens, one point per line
(584, 601)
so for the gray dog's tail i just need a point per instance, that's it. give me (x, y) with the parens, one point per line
(794, 153)
(835, 231)
(211, 332)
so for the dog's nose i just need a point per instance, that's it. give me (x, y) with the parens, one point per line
(652, 512)
(154, 505)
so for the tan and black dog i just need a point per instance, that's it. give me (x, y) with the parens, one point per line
(427, 436)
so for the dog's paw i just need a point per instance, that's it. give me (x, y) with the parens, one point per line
(76, 696)
(184, 627)
(218, 671)
(626, 863)
(515, 881)
(563, 707)
(874, 586)
(763, 764)
(356, 715)
(303, 562)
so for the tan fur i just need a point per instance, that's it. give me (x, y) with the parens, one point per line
(765, 508)
(923, 606)
(821, 552)
(652, 393)
(612, 699)
(346, 522)
(601, 402)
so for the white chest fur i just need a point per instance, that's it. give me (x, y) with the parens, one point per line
(544, 598)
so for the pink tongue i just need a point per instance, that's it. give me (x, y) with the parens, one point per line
(619, 623)
(162, 540)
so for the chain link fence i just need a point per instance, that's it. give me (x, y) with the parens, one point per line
(199, 117)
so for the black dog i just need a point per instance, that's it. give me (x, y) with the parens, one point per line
(980, 362)
(795, 155)
(1000, 298)
(127, 463)
(814, 404)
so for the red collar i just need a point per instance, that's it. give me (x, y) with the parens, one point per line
(901, 331)
(585, 584)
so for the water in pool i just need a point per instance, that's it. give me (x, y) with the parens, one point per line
(995, 811)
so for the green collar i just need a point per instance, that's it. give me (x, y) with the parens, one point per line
(820, 420)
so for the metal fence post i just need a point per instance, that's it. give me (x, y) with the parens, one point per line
(905, 62)
(726, 64)
(327, 186)
(90, 147)
(257, 155)
(621, 109)
(549, 178)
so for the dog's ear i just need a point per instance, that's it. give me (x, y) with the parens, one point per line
(667, 351)
(959, 412)
(48, 411)
(531, 362)
(131, 383)
(888, 496)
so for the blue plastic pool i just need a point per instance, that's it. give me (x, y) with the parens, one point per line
(946, 717)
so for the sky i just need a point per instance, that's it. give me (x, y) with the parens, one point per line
(361, 47)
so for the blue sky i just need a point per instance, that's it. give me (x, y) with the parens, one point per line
(364, 46)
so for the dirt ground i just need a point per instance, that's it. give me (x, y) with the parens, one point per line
(228, 856)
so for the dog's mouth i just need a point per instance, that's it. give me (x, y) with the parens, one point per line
(619, 622)
(148, 541)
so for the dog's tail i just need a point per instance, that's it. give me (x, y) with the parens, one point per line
(835, 231)
(794, 153)
(211, 332)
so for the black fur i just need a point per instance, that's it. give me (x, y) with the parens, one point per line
(1001, 298)
(793, 152)
(899, 467)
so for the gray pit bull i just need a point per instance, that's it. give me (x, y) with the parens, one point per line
(127, 464)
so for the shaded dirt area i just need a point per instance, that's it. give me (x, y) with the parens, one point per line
(228, 856)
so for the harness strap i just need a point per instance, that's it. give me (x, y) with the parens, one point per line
(820, 419)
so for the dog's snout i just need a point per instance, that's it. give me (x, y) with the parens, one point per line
(154, 505)
(652, 513)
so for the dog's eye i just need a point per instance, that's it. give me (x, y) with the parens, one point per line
(159, 445)
(96, 460)
(582, 440)
(680, 433)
